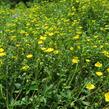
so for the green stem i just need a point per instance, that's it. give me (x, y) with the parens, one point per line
(71, 77)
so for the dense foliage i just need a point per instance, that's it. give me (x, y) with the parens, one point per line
(55, 55)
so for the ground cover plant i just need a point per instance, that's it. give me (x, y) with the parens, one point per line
(55, 55)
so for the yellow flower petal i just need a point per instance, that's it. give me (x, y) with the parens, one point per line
(1, 50)
(98, 64)
(29, 56)
(2, 54)
(75, 60)
(90, 86)
(106, 97)
(40, 42)
(49, 50)
(99, 73)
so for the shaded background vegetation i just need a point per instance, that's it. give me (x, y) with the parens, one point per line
(13, 3)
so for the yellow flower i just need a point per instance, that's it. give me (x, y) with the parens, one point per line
(29, 56)
(106, 97)
(105, 52)
(25, 67)
(75, 60)
(98, 64)
(43, 48)
(43, 38)
(107, 69)
(2, 54)
(99, 73)
(1, 50)
(49, 50)
(40, 42)
(90, 86)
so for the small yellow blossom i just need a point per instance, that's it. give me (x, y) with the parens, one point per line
(43, 48)
(99, 73)
(75, 60)
(43, 38)
(98, 64)
(107, 69)
(90, 86)
(40, 42)
(1, 50)
(25, 67)
(2, 54)
(105, 52)
(49, 50)
(106, 97)
(29, 56)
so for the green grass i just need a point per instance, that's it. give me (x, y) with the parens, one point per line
(49, 54)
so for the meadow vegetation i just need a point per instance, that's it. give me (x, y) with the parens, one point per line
(54, 55)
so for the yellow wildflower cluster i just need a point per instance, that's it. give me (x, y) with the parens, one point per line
(75, 60)
(57, 44)
(2, 52)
